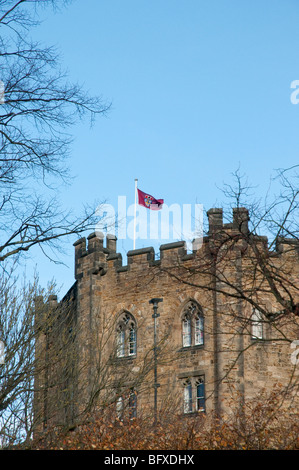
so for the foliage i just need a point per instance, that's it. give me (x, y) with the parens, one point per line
(261, 425)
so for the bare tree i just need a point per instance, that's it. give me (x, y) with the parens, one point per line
(17, 334)
(84, 372)
(55, 372)
(38, 109)
(267, 228)
(250, 267)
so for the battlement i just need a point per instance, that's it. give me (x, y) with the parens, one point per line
(100, 258)
(239, 222)
(224, 301)
(97, 254)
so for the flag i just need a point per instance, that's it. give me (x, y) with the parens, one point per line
(148, 201)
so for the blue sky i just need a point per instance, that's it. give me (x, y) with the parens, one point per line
(198, 89)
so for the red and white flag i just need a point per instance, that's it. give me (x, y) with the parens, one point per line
(148, 201)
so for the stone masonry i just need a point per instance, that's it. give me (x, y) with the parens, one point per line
(204, 348)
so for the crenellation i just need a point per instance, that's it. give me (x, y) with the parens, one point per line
(187, 256)
(122, 269)
(215, 217)
(80, 246)
(111, 243)
(201, 301)
(287, 245)
(170, 252)
(240, 220)
(197, 244)
(140, 256)
(112, 256)
(95, 242)
(114, 259)
(101, 259)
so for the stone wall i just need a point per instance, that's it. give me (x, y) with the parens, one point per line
(224, 279)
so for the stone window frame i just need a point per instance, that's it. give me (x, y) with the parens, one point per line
(126, 405)
(126, 336)
(192, 324)
(193, 393)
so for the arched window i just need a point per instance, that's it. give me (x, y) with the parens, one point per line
(192, 325)
(126, 405)
(194, 394)
(126, 336)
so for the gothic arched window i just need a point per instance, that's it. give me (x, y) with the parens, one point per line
(192, 325)
(126, 336)
(194, 394)
(126, 405)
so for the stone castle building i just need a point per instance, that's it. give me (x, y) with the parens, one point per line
(180, 331)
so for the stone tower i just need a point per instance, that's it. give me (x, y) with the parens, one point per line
(223, 325)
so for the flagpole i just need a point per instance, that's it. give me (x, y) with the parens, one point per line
(135, 213)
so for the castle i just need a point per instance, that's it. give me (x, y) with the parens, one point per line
(184, 331)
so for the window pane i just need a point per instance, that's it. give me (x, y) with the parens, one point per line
(198, 330)
(188, 398)
(120, 343)
(186, 332)
(132, 341)
(133, 404)
(200, 395)
(126, 336)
